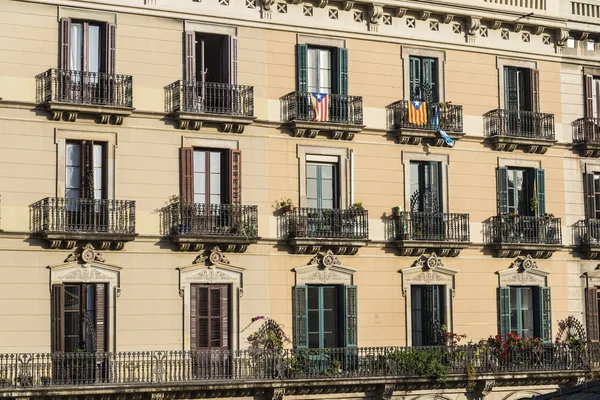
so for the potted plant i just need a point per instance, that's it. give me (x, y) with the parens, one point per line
(284, 205)
(358, 206)
(396, 211)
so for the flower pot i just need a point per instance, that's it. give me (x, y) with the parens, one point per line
(287, 209)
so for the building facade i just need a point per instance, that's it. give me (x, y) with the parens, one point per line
(431, 165)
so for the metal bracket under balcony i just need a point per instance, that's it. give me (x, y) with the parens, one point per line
(63, 222)
(193, 104)
(424, 127)
(586, 235)
(533, 131)
(341, 116)
(445, 233)
(66, 94)
(311, 230)
(586, 136)
(193, 226)
(512, 235)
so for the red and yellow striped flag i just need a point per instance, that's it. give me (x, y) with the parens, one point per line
(417, 112)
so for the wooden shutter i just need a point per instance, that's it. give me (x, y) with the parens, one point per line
(101, 317)
(504, 310)
(534, 81)
(300, 298)
(302, 67)
(194, 316)
(190, 56)
(230, 64)
(511, 89)
(224, 299)
(342, 70)
(351, 316)
(415, 77)
(58, 323)
(187, 174)
(235, 177)
(502, 190)
(540, 183)
(589, 195)
(589, 96)
(545, 315)
(110, 46)
(65, 44)
(591, 314)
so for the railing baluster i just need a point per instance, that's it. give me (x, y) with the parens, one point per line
(518, 123)
(509, 228)
(297, 106)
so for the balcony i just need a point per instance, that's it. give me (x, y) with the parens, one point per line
(511, 235)
(342, 230)
(194, 103)
(444, 233)
(248, 373)
(586, 236)
(344, 116)
(532, 131)
(66, 94)
(586, 136)
(63, 222)
(440, 116)
(230, 226)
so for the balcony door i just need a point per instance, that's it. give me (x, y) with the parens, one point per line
(426, 186)
(319, 70)
(322, 185)
(521, 100)
(525, 311)
(424, 79)
(427, 314)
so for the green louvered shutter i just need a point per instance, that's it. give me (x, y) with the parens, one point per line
(351, 316)
(502, 190)
(504, 310)
(415, 78)
(430, 79)
(540, 183)
(300, 317)
(342, 70)
(545, 315)
(302, 66)
(511, 89)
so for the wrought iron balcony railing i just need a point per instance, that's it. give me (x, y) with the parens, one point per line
(328, 223)
(434, 227)
(587, 231)
(586, 131)
(209, 98)
(445, 116)
(86, 88)
(343, 109)
(508, 228)
(222, 220)
(519, 124)
(164, 367)
(58, 215)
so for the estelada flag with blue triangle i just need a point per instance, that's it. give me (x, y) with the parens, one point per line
(417, 112)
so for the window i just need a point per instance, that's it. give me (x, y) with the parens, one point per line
(592, 305)
(322, 69)
(87, 46)
(211, 176)
(209, 311)
(210, 58)
(325, 316)
(85, 170)
(425, 186)
(424, 79)
(319, 70)
(427, 314)
(521, 89)
(321, 185)
(592, 92)
(592, 195)
(79, 317)
(525, 310)
(521, 191)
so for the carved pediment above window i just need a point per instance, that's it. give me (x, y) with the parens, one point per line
(216, 257)
(523, 271)
(427, 270)
(324, 269)
(210, 267)
(85, 255)
(593, 276)
(85, 265)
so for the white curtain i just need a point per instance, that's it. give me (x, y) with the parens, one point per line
(76, 46)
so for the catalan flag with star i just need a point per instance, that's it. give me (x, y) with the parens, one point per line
(320, 106)
(417, 112)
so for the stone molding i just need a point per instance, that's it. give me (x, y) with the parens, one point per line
(324, 269)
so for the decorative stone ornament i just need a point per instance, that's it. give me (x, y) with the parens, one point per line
(524, 264)
(216, 257)
(375, 15)
(427, 270)
(324, 269)
(523, 271)
(87, 254)
(562, 35)
(473, 25)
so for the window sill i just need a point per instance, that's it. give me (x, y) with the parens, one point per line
(228, 122)
(336, 131)
(70, 112)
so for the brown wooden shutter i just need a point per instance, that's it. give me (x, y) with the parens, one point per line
(110, 46)
(65, 44)
(235, 176)
(101, 317)
(535, 90)
(190, 56)
(224, 316)
(589, 195)
(187, 174)
(58, 323)
(591, 312)
(193, 317)
(589, 96)
(231, 62)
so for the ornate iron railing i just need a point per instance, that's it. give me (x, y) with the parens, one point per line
(227, 220)
(58, 214)
(519, 124)
(342, 109)
(587, 231)
(521, 229)
(586, 130)
(328, 223)
(209, 98)
(78, 87)
(445, 116)
(148, 367)
(429, 226)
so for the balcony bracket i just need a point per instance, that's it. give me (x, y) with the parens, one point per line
(530, 145)
(512, 250)
(68, 240)
(588, 149)
(227, 123)
(198, 243)
(70, 112)
(414, 248)
(310, 129)
(337, 246)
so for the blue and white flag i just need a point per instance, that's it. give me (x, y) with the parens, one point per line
(436, 124)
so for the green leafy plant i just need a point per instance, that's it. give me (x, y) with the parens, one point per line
(423, 362)
(533, 204)
(358, 206)
(282, 202)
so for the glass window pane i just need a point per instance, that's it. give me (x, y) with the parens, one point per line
(72, 193)
(73, 178)
(72, 298)
(215, 199)
(215, 184)
(311, 170)
(199, 183)
(329, 298)
(199, 161)
(94, 49)
(215, 162)
(312, 58)
(327, 203)
(313, 340)
(313, 321)
(312, 80)
(76, 46)
(327, 171)
(311, 189)
(313, 298)
(98, 155)
(324, 80)
(73, 154)
(330, 341)
(324, 59)
(327, 190)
